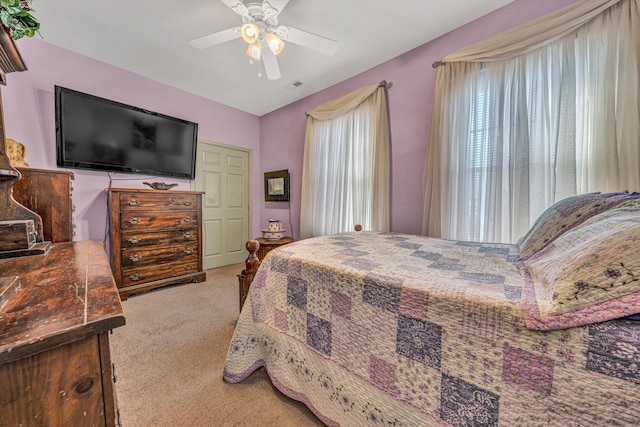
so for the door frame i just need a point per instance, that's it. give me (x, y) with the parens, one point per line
(250, 179)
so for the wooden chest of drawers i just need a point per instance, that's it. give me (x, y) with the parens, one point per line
(156, 238)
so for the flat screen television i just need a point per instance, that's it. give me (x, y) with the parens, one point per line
(99, 134)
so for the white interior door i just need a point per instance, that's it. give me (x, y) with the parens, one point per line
(223, 172)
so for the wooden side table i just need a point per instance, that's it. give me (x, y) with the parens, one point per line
(266, 245)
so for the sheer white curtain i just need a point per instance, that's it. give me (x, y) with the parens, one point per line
(346, 165)
(520, 131)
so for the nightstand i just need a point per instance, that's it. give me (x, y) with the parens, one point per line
(266, 245)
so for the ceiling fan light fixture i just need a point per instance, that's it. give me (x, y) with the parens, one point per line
(250, 33)
(255, 51)
(275, 43)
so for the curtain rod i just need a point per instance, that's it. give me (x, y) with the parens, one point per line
(383, 83)
(437, 64)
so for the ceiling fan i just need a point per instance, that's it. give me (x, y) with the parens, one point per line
(264, 34)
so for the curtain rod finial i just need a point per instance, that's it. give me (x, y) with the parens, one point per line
(437, 64)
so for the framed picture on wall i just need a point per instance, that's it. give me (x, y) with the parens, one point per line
(276, 186)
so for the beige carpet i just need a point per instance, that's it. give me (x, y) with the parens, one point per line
(169, 358)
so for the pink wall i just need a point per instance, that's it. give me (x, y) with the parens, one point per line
(410, 100)
(28, 102)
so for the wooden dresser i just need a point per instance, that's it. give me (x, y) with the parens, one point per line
(156, 238)
(56, 311)
(48, 193)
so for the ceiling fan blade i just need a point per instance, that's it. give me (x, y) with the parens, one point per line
(237, 6)
(270, 64)
(309, 40)
(216, 38)
(269, 5)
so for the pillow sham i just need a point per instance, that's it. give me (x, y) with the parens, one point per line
(565, 215)
(589, 274)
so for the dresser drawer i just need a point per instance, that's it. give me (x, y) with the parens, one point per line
(159, 255)
(155, 221)
(134, 276)
(131, 239)
(159, 201)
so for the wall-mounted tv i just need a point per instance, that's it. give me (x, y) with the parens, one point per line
(100, 134)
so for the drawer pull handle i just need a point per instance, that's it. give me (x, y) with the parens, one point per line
(187, 202)
(135, 276)
(187, 235)
(135, 257)
(133, 202)
(187, 219)
(188, 251)
(188, 267)
(113, 372)
(135, 240)
(134, 221)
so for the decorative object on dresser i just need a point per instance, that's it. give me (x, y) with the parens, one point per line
(57, 310)
(10, 210)
(48, 193)
(160, 185)
(156, 238)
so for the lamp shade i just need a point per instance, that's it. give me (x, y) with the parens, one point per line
(255, 51)
(275, 44)
(250, 33)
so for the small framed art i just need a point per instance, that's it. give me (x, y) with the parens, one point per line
(276, 186)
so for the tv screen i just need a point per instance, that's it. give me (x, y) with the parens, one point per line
(99, 134)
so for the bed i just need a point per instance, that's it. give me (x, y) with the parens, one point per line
(370, 328)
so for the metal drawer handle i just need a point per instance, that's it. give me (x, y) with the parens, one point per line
(113, 372)
(135, 257)
(188, 251)
(134, 221)
(135, 240)
(188, 267)
(187, 202)
(133, 202)
(135, 276)
(187, 219)
(187, 235)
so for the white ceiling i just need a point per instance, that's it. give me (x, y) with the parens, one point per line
(150, 38)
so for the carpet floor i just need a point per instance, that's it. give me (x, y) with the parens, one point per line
(169, 359)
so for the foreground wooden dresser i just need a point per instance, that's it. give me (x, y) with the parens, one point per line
(55, 313)
(156, 238)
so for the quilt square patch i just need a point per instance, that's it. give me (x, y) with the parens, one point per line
(297, 292)
(382, 373)
(482, 277)
(465, 405)
(526, 370)
(409, 245)
(420, 341)
(362, 264)
(414, 303)
(379, 293)
(280, 320)
(279, 264)
(431, 256)
(341, 305)
(352, 253)
(319, 334)
(614, 350)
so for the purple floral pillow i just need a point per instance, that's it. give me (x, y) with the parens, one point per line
(589, 274)
(565, 215)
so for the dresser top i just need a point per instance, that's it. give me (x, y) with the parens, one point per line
(147, 190)
(62, 296)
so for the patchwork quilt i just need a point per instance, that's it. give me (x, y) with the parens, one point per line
(402, 330)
